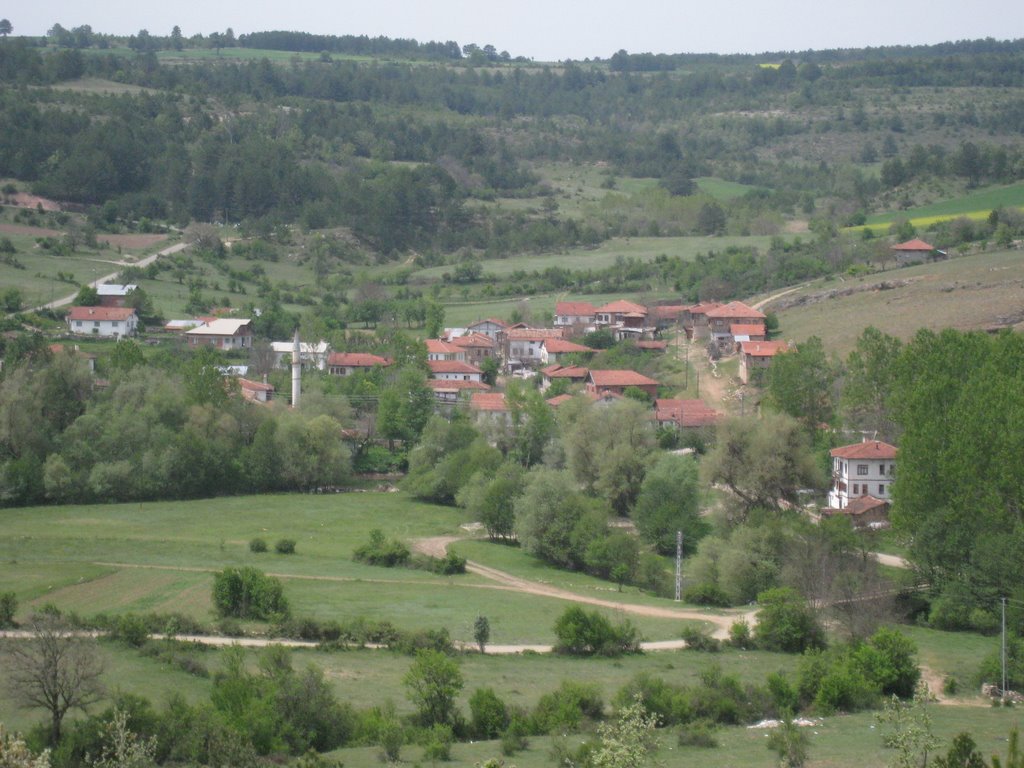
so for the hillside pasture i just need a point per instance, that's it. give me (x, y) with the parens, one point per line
(968, 293)
(976, 206)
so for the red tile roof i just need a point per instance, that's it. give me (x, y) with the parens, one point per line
(869, 449)
(763, 348)
(440, 347)
(494, 320)
(686, 413)
(356, 360)
(668, 310)
(735, 309)
(703, 307)
(255, 386)
(620, 379)
(744, 329)
(574, 308)
(477, 340)
(622, 307)
(493, 402)
(659, 346)
(554, 402)
(561, 346)
(863, 504)
(452, 366)
(565, 372)
(913, 245)
(101, 313)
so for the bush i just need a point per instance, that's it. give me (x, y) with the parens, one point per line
(130, 629)
(489, 716)
(698, 639)
(565, 709)
(513, 738)
(8, 607)
(439, 743)
(707, 594)
(700, 733)
(257, 545)
(583, 633)
(380, 551)
(285, 547)
(786, 623)
(739, 635)
(247, 593)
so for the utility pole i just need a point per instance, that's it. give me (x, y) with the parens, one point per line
(1003, 651)
(679, 566)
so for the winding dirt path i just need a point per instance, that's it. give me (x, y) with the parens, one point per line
(437, 547)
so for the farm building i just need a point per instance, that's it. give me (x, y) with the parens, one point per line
(222, 333)
(914, 252)
(757, 355)
(106, 322)
(617, 382)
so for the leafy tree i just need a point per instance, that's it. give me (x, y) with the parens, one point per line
(488, 713)
(247, 593)
(55, 669)
(870, 374)
(6, 28)
(669, 502)
(555, 523)
(491, 497)
(963, 753)
(11, 300)
(629, 741)
(908, 730)
(786, 623)
(433, 681)
(800, 384)
(533, 425)
(87, 296)
(585, 633)
(482, 632)
(763, 462)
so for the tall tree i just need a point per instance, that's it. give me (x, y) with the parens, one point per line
(6, 28)
(800, 384)
(870, 372)
(668, 502)
(56, 669)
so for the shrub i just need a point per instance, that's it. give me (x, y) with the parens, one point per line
(699, 733)
(285, 547)
(380, 551)
(489, 716)
(739, 635)
(8, 607)
(247, 593)
(258, 545)
(130, 629)
(664, 701)
(449, 565)
(707, 594)
(513, 738)
(786, 623)
(698, 639)
(584, 633)
(566, 708)
(439, 743)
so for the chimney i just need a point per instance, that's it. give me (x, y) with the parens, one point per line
(296, 372)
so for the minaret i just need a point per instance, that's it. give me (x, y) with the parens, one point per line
(296, 372)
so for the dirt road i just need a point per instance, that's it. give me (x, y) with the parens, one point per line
(144, 262)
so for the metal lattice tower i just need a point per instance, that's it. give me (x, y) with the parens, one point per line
(679, 566)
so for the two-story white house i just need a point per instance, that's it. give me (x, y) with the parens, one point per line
(107, 322)
(862, 469)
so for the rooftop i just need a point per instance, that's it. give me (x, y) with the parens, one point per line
(869, 449)
(101, 313)
(735, 309)
(356, 360)
(621, 378)
(223, 326)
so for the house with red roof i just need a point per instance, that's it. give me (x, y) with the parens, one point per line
(617, 381)
(439, 349)
(256, 391)
(863, 512)
(685, 414)
(347, 363)
(721, 319)
(552, 373)
(758, 355)
(625, 319)
(476, 347)
(867, 468)
(454, 370)
(222, 333)
(695, 318)
(492, 327)
(914, 252)
(741, 332)
(451, 390)
(490, 407)
(523, 345)
(574, 314)
(105, 322)
(555, 350)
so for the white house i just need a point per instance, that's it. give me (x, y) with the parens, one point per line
(862, 469)
(491, 328)
(439, 349)
(574, 313)
(223, 333)
(108, 322)
(454, 370)
(347, 363)
(526, 344)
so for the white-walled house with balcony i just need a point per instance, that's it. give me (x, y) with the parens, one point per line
(867, 468)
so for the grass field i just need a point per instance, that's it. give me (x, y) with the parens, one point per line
(977, 205)
(160, 557)
(968, 293)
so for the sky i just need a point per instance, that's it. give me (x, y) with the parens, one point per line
(554, 30)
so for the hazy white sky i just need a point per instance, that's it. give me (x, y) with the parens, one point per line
(550, 30)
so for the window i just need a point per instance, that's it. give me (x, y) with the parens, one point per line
(881, 469)
(78, 323)
(881, 489)
(856, 489)
(862, 469)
